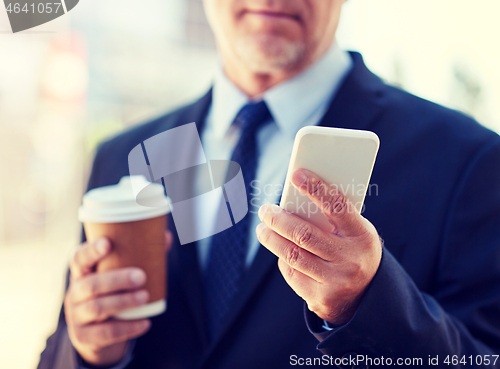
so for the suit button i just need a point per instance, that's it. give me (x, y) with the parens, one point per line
(348, 360)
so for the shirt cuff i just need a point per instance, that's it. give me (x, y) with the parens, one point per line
(329, 326)
(121, 365)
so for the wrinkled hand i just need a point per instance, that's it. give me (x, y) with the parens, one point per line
(330, 271)
(94, 298)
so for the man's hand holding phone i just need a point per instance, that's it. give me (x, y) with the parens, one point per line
(330, 271)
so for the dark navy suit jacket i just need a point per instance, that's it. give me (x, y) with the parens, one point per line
(436, 204)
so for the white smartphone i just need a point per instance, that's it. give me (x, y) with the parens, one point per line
(343, 158)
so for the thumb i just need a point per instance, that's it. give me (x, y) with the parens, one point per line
(334, 204)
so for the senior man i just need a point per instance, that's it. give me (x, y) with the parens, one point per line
(292, 292)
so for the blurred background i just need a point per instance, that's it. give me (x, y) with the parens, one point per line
(107, 65)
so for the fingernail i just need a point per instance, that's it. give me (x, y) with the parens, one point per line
(145, 324)
(102, 246)
(138, 277)
(168, 236)
(299, 178)
(275, 208)
(260, 228)
(141, 296)
(262, 210)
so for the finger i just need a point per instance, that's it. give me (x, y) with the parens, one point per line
(303, 285)
(299, 231)
(296, 257)
(334, 204)
(98, 284)
(111, 332)
(102, 308)
(324, 306)
(168, 240)
(87, 256)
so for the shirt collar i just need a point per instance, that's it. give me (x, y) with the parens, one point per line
(292, 103)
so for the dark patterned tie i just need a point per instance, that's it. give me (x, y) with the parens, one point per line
(228, 249)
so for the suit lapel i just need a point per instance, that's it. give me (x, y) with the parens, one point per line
(187, 255)
(189, 272)
(358, 101)
(355, 106)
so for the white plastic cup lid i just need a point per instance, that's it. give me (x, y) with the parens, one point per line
(134, 198)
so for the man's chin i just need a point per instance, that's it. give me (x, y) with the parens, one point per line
(269, 53)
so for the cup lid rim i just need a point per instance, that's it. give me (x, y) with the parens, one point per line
(123, 215)
(118, 203)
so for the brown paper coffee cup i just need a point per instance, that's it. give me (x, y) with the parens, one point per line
(137, 234)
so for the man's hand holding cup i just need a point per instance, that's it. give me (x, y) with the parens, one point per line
(93, 298)
(118, 278)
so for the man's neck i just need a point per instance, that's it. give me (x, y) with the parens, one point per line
(255, 84)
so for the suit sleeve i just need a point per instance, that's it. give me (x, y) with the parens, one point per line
(461, 316)
(59, 352)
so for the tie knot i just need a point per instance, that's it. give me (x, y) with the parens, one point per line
(252, 116)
